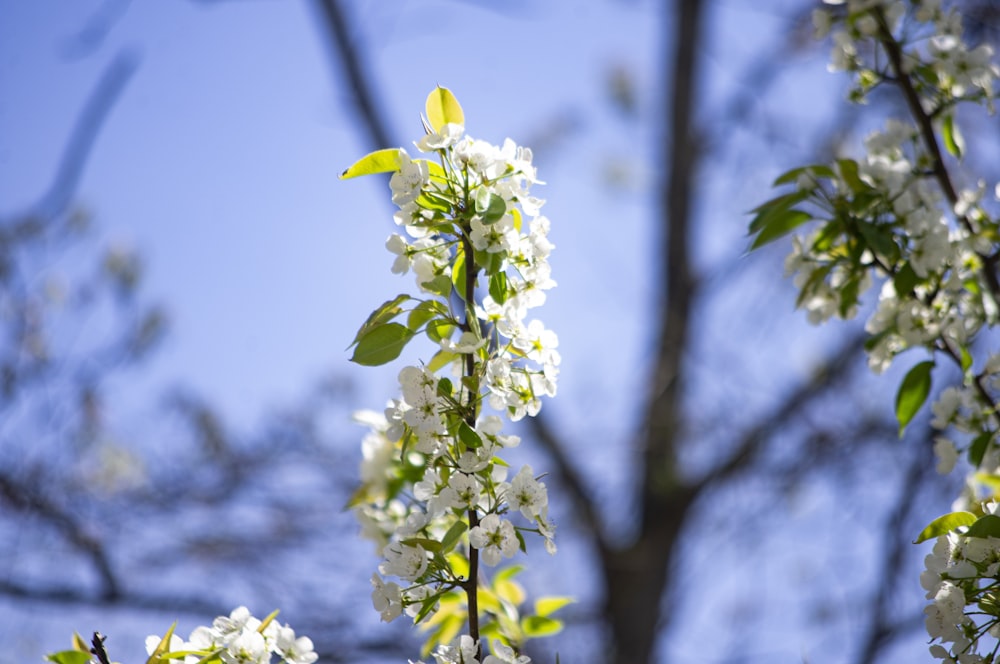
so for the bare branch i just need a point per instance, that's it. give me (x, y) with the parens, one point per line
(357, 80)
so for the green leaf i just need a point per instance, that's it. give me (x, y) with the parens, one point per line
(953, 140)
(966, 359)
(381, 344)
(780, 225)
(444, 387)
(441, 359)
(439, 329)
(849, 172)
(423, 312)
(944, 525)
(774, 207)
(162, 646)
(545, 606)
(453, 535)
(490, 207)
(508, 572)
(458, 274)
(536, 626)
(430, 545)
(439, 285)
(425, 608)
(817, 171)
(978, 448)
(469, 436)
(913, 393)
(380, 161)
(987, 525)
(267, 621)
(879, 239)
(905, 280)
(383, 314)
(442, 108)
(498, 287)
(70, 657)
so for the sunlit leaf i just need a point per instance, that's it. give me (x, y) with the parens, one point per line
(537, 626)
(380, 161)
(442, 108)
(70, 657)
(381, 344)
(953, 140)
(383, 314)
(545, 606)
(945, 524)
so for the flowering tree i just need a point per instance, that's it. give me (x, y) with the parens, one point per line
(435, 497)
(906, 216)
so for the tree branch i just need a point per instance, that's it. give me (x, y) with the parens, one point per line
(364, 98)
(567, 475)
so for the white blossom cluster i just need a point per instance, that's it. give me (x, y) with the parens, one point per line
(961, 577)
(463, 651)
(238, 639)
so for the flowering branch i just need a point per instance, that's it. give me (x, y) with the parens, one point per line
(434, 495)
(896, 216)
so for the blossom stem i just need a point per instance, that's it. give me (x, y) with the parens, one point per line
(472, 584)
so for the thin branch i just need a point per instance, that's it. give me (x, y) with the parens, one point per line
(26, 500)
(85, 132)
(834, 369)
(905, 83)
(568, 476)
(357, 80)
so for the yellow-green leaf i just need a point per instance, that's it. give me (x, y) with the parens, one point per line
(944, 525)
(380, 161)
(154, 657)
(442, 108)
(69, 657)
(536, 626)
(546, 606)
(953, 141)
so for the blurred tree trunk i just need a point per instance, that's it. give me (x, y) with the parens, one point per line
(637, 577)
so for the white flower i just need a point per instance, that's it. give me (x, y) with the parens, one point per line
(445, 137)
(294, 650)
(462, 651)
(406, 562)
(462, 491)
(527, 494)
(386, 598)
(494, 537)
(946, 454)
(247, 647)
(409, 180)
(505, 655)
